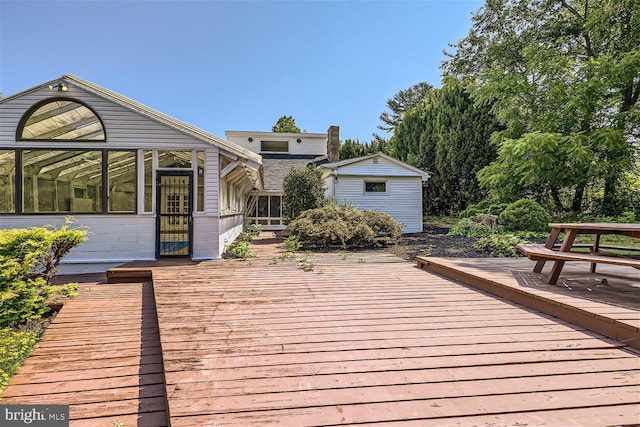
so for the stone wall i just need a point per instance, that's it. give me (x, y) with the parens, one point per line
(276, 169)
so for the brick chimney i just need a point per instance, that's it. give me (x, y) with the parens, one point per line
(333, 143)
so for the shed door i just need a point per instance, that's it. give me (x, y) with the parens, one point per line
(174, 222)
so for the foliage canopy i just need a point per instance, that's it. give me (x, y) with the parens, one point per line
(286, 124)
(303, 189)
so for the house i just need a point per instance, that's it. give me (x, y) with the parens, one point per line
(378, 182)
(146, 185)
(280, 152)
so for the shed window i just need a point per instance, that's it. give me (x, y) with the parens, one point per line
(61, 120)
(274, 146)
(375, 187)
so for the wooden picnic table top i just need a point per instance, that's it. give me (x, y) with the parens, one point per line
(632, 230)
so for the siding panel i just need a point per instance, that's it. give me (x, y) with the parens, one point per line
(402, 201)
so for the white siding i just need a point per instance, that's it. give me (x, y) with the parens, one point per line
(402, 200)
(112, 238)
(205, 237)
(124, 128)
(230, 227)
(310, 143)
(211, 180)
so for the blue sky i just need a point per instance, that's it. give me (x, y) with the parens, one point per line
(237, 65)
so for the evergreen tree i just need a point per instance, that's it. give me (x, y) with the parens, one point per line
(448, 136)
(286, 124)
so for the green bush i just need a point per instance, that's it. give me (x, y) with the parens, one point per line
(28, 261)
(468, 228)
(525, 215)
(303, 189)
(344, 226)
(382, 224)
(292, 244)
(485, 207)
(15, 346)
(500, 245)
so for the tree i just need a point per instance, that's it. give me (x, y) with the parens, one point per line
(303, 189)
(449, 136)
(570, 67)
(286, 124)
(354, 148)
(401, 102)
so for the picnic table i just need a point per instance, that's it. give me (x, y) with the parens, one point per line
(596, 255)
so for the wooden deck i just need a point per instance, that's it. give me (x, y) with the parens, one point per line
(102, 357)
(363, 338)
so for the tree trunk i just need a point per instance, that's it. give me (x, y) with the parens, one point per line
(556, 199)
(609, 200)
(576, 205)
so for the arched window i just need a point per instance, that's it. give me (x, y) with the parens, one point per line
(61, 119)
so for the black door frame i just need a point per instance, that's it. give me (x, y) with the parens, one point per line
(159, 215)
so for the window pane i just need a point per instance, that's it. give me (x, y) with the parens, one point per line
(375, 187)
(274, 207)
(122, 181)
(200, 205)
(7, 180)
(174, 159)
(148, 180)
(61, 181)
(263, 206)
(63, 120)
(274, 146)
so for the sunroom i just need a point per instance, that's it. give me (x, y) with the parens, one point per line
(145, 185)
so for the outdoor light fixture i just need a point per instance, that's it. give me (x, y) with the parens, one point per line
(250, 139)
(299, 140)
(61, 87)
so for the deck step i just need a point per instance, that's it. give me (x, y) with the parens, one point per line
(128, 274)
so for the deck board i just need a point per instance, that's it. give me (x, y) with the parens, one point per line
(101, 356)
(362, 339)
(366, 342)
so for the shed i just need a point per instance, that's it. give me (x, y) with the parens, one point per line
(379, 182)
(145, 184)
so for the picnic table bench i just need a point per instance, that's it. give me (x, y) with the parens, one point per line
(546, 252)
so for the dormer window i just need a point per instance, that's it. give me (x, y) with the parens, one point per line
(61, 120)
(274, 146)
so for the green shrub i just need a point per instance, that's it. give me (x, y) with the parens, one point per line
(28, 261)
(468, 228)
(485, 207)
(382, 224)
(344, 226)
(303, 189)
(15, 346)
(525, 215)
(238, 249)
(254, 229)
(497, 208)
(292, 244)
(500, 245)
